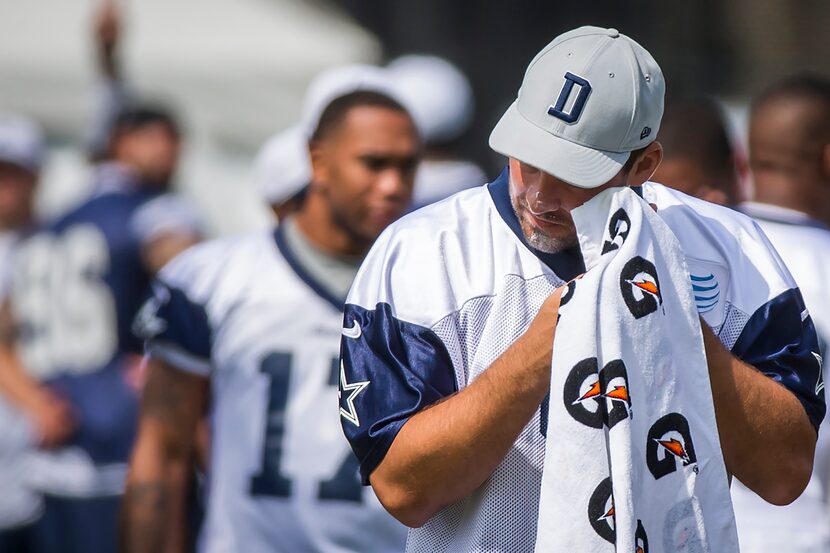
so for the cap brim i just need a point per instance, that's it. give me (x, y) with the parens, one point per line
(516, 137)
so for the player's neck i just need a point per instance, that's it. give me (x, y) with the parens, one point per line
(807, 200)
(17, 222)
(319, 226)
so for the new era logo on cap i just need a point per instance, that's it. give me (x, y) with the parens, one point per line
(587, 100)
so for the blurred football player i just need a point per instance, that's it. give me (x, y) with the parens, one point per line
(21, 158)
(282, 166)
(254, 322)
(698, 156)
(789, 154)
(76, 286)
(440, 99)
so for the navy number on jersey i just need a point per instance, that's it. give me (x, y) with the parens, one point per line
(270, 481)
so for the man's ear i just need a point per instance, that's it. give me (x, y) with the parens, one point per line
(319, 164)
(825, 161)
(646, 164)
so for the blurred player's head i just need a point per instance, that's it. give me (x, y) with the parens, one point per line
(698, 157)
(147, 140)
(595, 131)
(283, 166)
(21, 155)
(789, 143)
(436, 93)
(363, 155)
(339, 81)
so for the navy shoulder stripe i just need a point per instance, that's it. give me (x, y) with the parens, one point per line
(391, 370)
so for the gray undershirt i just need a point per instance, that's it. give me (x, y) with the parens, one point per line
(334, 272)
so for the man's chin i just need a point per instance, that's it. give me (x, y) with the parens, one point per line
(546, 243)
(549, 244)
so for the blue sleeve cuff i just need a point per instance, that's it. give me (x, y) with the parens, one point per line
(175, 329)
(780, 340)
(391, 370)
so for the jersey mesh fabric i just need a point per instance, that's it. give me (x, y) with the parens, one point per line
(732, 326)
(501, 514)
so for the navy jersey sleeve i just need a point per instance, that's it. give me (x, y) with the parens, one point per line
(391, 369)
(175, 329)
(780, 340)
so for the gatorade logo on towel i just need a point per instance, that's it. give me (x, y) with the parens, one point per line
(640, 287)
(598, 397)
(670, 443)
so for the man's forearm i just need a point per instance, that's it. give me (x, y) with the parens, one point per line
(145, 512)
(767, 440)
(153, 509)
(445, 452)
(15, 384)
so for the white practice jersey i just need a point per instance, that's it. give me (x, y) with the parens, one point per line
(281, 478)
(447, 289)
(803, 526)
(77, 284)
(19, 504)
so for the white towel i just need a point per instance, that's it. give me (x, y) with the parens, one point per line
(633, 461)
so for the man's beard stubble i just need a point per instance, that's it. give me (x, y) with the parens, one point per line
(545, 243)
(537, 239)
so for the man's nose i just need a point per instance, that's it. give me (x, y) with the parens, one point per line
(541, 201)
(392, 182)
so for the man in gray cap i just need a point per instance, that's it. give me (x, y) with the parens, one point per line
(448, 328)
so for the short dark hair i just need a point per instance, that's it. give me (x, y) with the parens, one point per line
(336, 111)
(803, 87)
(138, 116)
(694, 128)
(632, 159)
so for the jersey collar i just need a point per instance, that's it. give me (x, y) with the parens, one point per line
(305, 276)
(778, 214)
(566, 265)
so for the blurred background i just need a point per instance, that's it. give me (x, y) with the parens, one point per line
(121, 88)
(236, 70)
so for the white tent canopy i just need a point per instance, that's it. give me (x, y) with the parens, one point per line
(235, 69)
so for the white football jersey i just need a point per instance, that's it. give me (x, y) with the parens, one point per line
(801, 527)
(281, 478)
(19, 504)
(448, 288)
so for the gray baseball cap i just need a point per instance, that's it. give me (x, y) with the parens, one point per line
(21, 142)
(588, 99)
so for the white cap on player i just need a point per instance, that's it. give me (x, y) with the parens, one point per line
(436, 93)
(282, 166)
